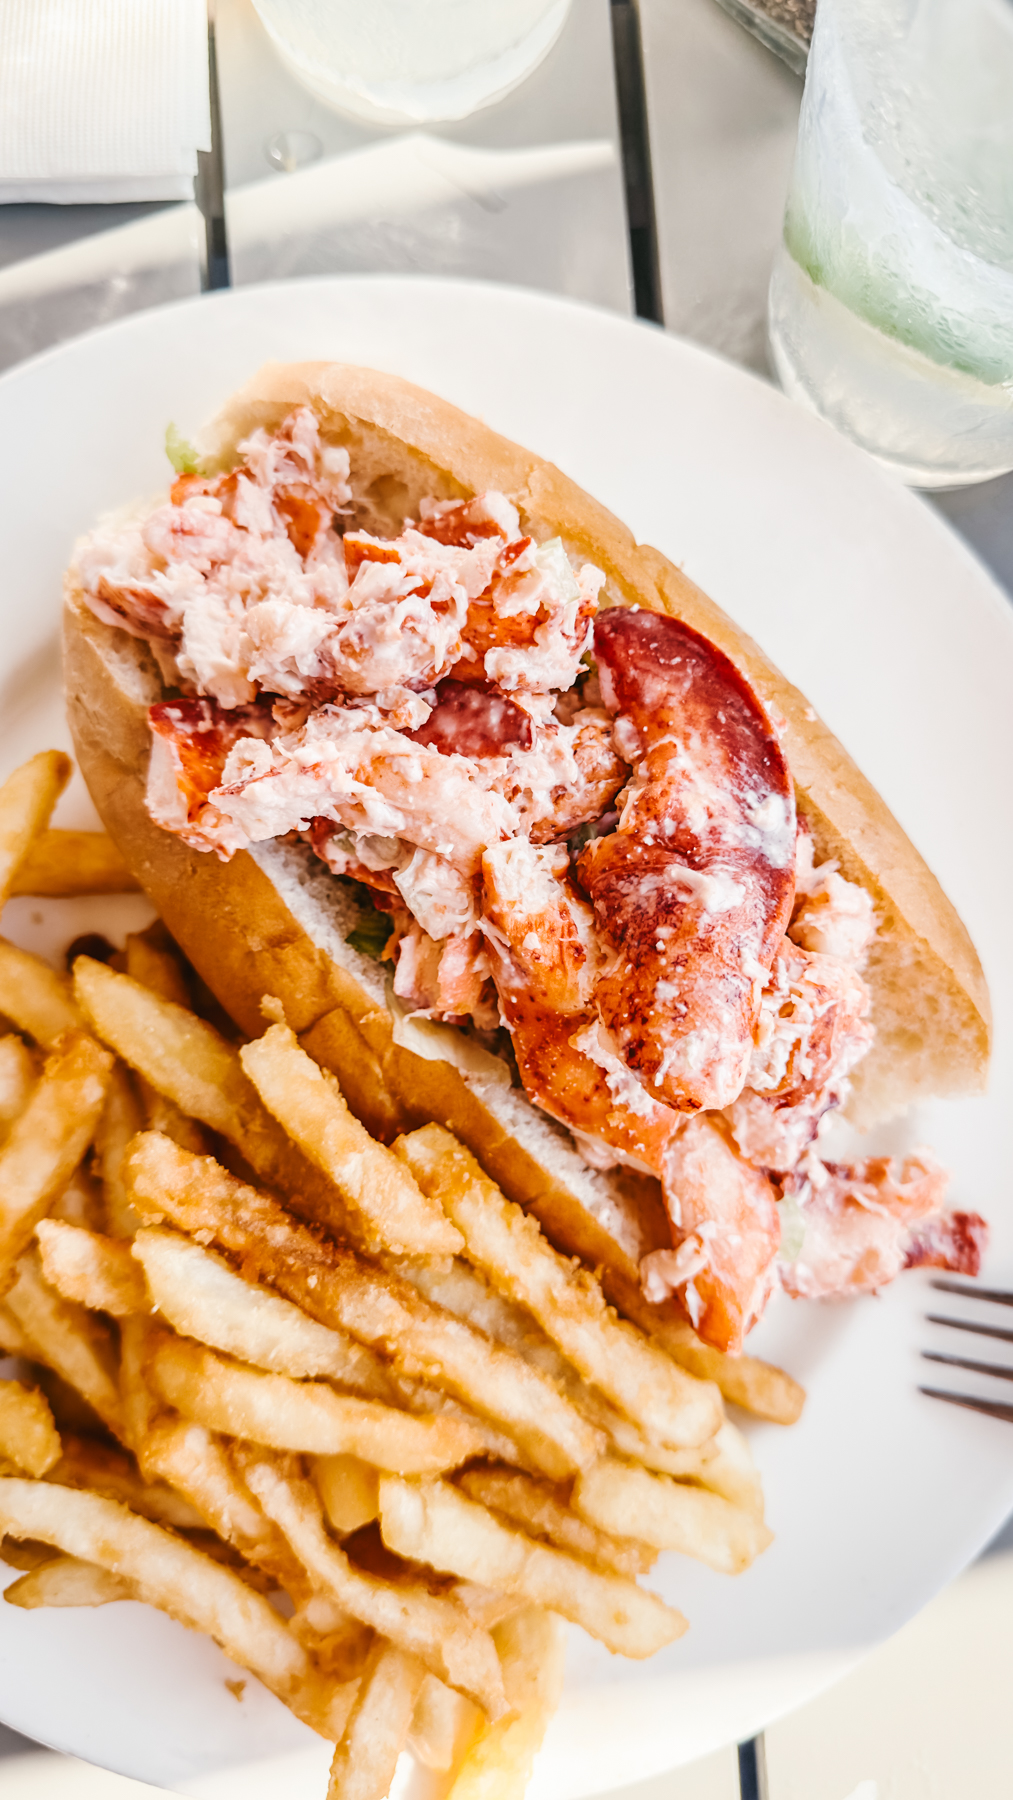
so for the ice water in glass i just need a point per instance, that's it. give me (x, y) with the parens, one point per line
(891, 301)
(412, 61)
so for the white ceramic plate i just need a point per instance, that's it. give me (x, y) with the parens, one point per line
(903, 643)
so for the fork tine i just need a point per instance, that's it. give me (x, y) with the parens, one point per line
(989, 1331)
(996, 1409)
(966, 1362)
(998, 1296)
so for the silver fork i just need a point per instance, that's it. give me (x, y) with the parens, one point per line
(997, 1409)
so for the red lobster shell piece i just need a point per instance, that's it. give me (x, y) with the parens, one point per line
(474, 721)
(694, 889)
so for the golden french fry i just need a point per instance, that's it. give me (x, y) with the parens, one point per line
(382, 1193)
(87, 1463)
(165, 1571)
(193, 1463)
(202, 1298)
(17, 1079)
(26, 800)
(297, 1415)
(444, 1723)
(432, 1627)
(120, 1122)
(28, 1437)
(498, 1765)
(67, 1581)
(98, 1272)
(81, 1203)
(429, 1521)
(507, 1244)
(67, 1338)
(336, 1043)
(35, 999)
(332, 1285)
(137, 1403)
(670, 1515)
(365, 1759)
(48, 1141)
(758, 1387)
(63, 864)
(543, 1512)
(349, 1489)
(13, 1338)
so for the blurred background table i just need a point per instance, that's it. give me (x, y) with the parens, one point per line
(532, 191)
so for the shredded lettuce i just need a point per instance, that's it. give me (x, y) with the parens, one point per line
(181, 452)
(370, 935)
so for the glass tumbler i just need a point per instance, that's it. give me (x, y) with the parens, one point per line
(891, 300)
(412, 61)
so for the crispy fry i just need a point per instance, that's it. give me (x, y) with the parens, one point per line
(430, 1522)
(13, 1338)
(193, 1462)
(165, 1570)
(758, 1387)
(376, 1185)
(432, 1627)
(120, 1121)
(507, 1244)
(28, 1437)
(444, 1724)
(334, 1287)
(86, 1463)
(66, 1338)
(98, 1272)
(364, 1761)
(299, 1415)
(35, 999)
(81, 1202)
(137, 1405)
(17, 1079)
(670, 1515)
(63, 864)
(49, 1140)
(154, 961)
(543, 1512)
(349, 1490)
(336, 1043)
(203, 1298)
(27, 799)
(68, 1581)
(531, 1650)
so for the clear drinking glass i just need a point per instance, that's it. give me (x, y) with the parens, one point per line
(412, 61)
(891, 301)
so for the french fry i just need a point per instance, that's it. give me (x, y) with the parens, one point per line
(432, 1627)
(27, 799)
(81, 1202)
(364, 1761)
(87, 1463)
(202, 1298)
(28, 1437)
(64, 864)
(670, 1515)
(13, 1338)
(67, 1338)
(137, 1403)
(120, 1122)
(444, 1724)
(165, 1571)
(382, 1193)
(50, 1138)
(154, 961)
(758, 1387)
(193, 1463)
(507, 1244)
(35, 999)
(349, 1490)
(67, 1581)
(543, 1512)
(336, 1043)
(430, 1522)
(17, 1079)
(531, 1649)
(332, 1285)
(296, 1415)
(98, 1272)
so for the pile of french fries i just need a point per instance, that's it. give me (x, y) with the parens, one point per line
(337, 1404)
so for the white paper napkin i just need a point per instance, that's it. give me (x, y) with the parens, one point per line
(102, 99)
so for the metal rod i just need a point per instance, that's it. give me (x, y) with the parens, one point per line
(753, 1769)
(209, 187)
(635, 141)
